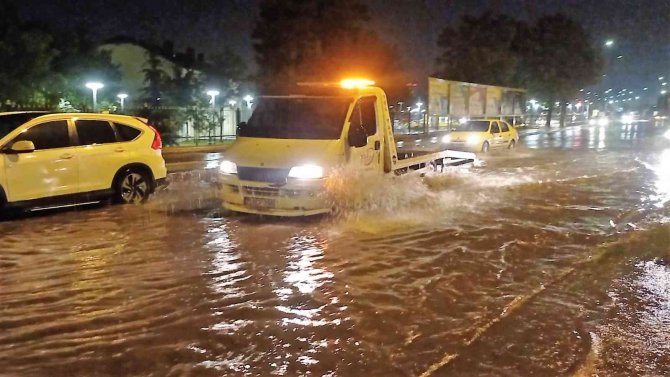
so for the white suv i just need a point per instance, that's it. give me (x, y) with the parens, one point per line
(67, 159)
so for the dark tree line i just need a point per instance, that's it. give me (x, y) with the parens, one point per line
(40, 66)
(552, 57)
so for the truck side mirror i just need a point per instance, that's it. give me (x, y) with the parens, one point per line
(357, 138)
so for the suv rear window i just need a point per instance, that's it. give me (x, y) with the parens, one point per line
(127, 133)
(95, 132)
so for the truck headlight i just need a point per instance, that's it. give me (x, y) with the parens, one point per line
(306, 172)
(228, 167)
(473, 139)
(446, 139)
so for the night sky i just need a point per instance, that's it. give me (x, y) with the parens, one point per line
(641, 28)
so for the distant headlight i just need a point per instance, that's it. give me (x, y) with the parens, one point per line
(228, 167)
(473, 139)
(306, 172)
(446, 139)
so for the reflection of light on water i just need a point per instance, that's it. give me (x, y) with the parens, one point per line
(655, 280)
(300, 272)
(601, 138)
(662, 170)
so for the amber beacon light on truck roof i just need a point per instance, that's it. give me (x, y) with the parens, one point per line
(352, 83)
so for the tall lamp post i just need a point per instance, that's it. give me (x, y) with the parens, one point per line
(122, 98)
(248, 99)
(213, 94)
(95, 86)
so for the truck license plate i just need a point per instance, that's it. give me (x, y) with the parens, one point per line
(259, 203)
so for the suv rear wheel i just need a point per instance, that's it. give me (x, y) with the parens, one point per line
(132, 187)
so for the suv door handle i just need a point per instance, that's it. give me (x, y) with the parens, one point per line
(67, 156)
(120, 149)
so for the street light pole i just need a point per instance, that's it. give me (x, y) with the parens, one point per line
(122, 98)
(213, 94)
(95, 86)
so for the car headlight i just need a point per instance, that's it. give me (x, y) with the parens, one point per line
(473, 139)
(306, 172)
(228, 167)
(446, 139)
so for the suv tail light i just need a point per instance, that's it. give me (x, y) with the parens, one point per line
(157, 144)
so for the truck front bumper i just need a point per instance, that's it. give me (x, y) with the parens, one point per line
(293, 199)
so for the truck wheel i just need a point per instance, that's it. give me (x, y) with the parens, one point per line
(485, 147)
(132, 187)
(512, 145)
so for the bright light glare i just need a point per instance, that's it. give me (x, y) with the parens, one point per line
(228, 167)
(446, 139)
(463, 120)
(306, 172)
(627, 119)
(667, 134)
(122, 95)
(248, 98)
(603, 121)
(592, 122)
(473, 139)
(94, 85)
(213, 93)
(356, 83)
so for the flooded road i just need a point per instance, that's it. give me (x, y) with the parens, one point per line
(550, 261)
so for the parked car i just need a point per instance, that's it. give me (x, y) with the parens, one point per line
(67, 159)
(482, 136)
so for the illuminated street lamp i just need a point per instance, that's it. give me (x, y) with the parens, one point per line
(609, 43)
(95, 86)
(664, 92)
(248, 99)
(122, 99)
(213, 94)
(232, 103)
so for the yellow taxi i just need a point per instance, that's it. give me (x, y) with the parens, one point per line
(49, 160)
(481, 136)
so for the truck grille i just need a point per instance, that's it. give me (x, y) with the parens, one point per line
(262, 174)
(267, 192)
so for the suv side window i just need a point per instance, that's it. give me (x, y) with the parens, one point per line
(127, 133)
(364, 115)
(495, 129)
(504, 127)
(93, 132)
(47, 135)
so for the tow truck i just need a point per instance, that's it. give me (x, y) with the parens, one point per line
(280, 161)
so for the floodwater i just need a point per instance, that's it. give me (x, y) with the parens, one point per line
(550, 261)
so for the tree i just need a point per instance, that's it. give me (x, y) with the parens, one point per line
(155, 79)
(558, 58)
(26, 56)
(298, 40)
(481, 50)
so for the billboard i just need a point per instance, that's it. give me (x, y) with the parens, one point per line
(448, 100)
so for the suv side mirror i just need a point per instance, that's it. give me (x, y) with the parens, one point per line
(357, 138)
(23, 146)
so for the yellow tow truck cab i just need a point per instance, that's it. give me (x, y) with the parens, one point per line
(283, 154)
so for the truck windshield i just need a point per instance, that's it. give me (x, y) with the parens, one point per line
(473, 126)
(297, 118)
